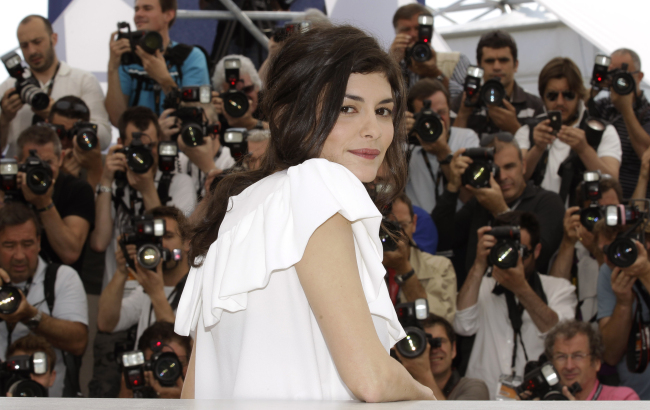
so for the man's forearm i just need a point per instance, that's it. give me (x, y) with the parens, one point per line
(543, 316)
(641, 189)
(116, 102)
(564, 261)
(101, 236)
(4, 132)
(65, 242)
(162, 308)
(593, 162)
(413, 289)
(110, 303)
(150, 199)
(63, 334)
(533, 156)
(615, 333)
(468, 295)
(639, 138)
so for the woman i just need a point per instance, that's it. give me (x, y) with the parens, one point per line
(289, 299)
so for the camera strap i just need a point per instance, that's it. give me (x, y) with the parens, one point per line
(434, 177)
(163, 187)
(638, 345)
(174, 298)
(51, 82)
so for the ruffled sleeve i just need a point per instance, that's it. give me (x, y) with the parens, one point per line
(264, 233)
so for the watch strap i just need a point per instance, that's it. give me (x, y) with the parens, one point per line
(33, 323)
(447, 160)
(401, 279)
(103, 188)
(47, 208)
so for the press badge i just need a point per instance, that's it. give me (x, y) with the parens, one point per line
(506, 387)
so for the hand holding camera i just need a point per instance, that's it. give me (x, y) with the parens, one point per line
(398, 259)
(420, 366)
(622, 284)
(485, 243)
(16, 375)
(458, 165)
(169, 123)
(11, 104)
(164, 392)
(118, 46)
(576, 138)
(122, 264)
(513, 279)
(13, 303)
(36, 182)
(156, 67)
(505, 118)
(399, 45)
(543, 135)
(115, 162)
(491, 198)
(571, 224)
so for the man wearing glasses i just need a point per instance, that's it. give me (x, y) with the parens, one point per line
(55, 78)
(576, 351)
(560, 85)
(630, 115)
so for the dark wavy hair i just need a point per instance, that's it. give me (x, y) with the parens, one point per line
(306, 85)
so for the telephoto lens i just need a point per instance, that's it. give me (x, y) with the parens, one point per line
(478, 173)
(492, 92)
(10, 299)
(32, 94)
(505, 253)
(594, 129)
(139, 158)
(38, 174)
(428, 124)
(409, 315)
(235, 102)
(86, 133)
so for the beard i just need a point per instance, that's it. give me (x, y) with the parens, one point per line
(48, 60)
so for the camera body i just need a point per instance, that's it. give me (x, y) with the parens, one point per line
(415, 343)
(26, 86)
(555, 118)
(505, 253)
(618, 80)
(139, 157)
(388, 231)
(167, 154)
(590, 188)
(86, 133)
(421, 50)
(9, 180)
(193, 128)
(166, 368)
(428, 125)
(149, 41)
(236, 139)
(478, 172)
(544, 382)
(15, 375)
(38, 174)
(235, 102)
(623, 252)
(146, 234)
(193, 93)
(282, 33)
(472, 85)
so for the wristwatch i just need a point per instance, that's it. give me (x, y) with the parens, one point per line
(103, 188)
(400, 279)
(33, 323)
(447, 160)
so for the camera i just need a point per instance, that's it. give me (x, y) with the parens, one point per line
(10, 299)
(478, 172)
(544, 382)
(415, 342)
(59, 130)
(194, 93)
(86, 133)
(505, 253)
(139, 158)
(235, 102)
(421, 50)
(166, 368)
(472, 84)
(492, 92)
(282, 33)
(236, 140)
(15, 375)
(146, 233)
(27, 87)
(150, 41)
(590, 188)
(8, 176)
(38, 174)
(193, 127)
(388, 231)
(167, 154)
(622, 252)
(428, 125)
(555, 118)
(619, 80)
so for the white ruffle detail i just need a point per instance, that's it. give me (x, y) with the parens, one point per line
(255, 241)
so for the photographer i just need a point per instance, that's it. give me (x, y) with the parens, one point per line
(623, 304)
(434, 367)
(576, 351)
(66, 208)
(578, 258)
(510, 307)
(450, 68)
(146, 84)
(249, 83)
(30, 344)
(258, 142)
(156, 299)
(507, 192)
(133, 192)
(181, 346)
(85, 164)
(52, 303)
(54, 78)
(630, 115)
(561, 87)
(419, 274)
(427, 176)
(496, 54)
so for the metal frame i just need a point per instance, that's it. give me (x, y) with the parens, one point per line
(506, 6)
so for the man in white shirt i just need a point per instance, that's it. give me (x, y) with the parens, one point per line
(56, 78)
(562, 89)
(157, 297)
(66, 326)
(537, 302)
(429, 163)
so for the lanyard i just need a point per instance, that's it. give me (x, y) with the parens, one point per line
(434, 177)
(51, 84)
(598, 390)
(173, 298)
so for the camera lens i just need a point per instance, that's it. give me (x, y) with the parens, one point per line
(622, 252)
(235, 103)
(151, 41)
(504, 255)
(192, 135)
(149, 256)
(10, 299)
(34, 96)
(27, 388)
(589, 217)
(87, 139)
(414, 344)
(477, 175)
(139, 160)
(492, 92)
(167, 369)
(429, 127)
(421, 52)
(38, 180)
(623, 83)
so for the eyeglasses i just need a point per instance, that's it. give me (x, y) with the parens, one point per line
(576, 357)
(486, 140)
(66, 105)
(567, 95)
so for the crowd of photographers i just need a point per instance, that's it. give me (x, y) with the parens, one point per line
(515, 258)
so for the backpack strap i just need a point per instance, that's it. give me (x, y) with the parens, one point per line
(163, 188)
(50, 280)
(177, 56)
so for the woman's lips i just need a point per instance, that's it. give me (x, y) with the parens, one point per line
(366, 153)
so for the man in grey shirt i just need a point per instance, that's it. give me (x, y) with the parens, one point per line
(426, 175)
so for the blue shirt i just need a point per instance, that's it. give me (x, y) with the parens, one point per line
(640, 382)
(426, 234)
(194, 70)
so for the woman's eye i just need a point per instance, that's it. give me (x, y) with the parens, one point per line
(347, 109)
(385, 112)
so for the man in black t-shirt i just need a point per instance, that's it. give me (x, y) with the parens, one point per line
(66, 209)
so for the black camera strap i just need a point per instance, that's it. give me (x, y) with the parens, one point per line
(638, 345)
(441, 175)
(174, 298)
(163, 187)
(451, 383)
(51, 85)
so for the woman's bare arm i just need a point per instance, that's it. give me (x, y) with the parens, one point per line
(329, 276)
(188, 383)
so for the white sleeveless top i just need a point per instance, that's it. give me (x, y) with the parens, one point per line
(256, 336)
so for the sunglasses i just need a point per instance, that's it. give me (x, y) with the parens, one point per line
(66, 105)
(567, 95)
(486, 140)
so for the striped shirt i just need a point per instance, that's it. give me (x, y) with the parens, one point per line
(456, 80)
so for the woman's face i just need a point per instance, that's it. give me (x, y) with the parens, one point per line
(364, 129)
